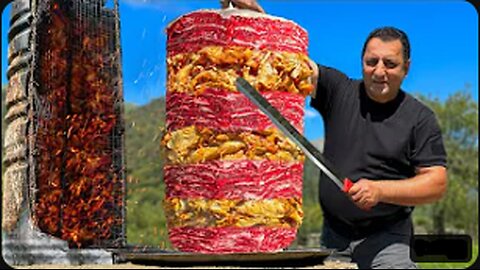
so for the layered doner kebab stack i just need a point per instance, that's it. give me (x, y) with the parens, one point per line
(233, 181)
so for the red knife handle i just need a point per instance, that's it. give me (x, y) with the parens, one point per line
(347, 184)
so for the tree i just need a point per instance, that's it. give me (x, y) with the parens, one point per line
(458, 119)
(312, 213)
(145, 221)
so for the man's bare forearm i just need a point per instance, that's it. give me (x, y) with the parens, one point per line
(428, 186)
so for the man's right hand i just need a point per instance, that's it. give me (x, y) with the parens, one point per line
(243, 4)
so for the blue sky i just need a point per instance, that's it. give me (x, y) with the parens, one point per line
(443, 36)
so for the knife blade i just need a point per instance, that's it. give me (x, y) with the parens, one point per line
(292, 133)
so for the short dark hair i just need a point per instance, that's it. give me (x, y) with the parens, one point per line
(389, 33)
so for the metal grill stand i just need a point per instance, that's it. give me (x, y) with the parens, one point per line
(26, 245)
(23, 241)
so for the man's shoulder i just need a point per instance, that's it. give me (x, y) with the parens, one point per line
(333, 72)
(335, 83)
(416, 106)
(417, 102)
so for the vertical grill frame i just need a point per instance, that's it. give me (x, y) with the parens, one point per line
(83, 18)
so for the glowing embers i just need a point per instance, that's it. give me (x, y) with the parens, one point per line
(77, 166)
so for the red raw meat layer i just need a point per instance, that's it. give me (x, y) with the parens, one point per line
(230, 111)
(197, 30)
(239, 179)
(231, 239)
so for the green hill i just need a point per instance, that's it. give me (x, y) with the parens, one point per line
(145, 189)
(143, 132)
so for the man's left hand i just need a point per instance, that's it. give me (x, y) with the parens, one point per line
(365, 194)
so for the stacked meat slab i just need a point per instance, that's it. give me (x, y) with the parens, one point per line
(233, 181)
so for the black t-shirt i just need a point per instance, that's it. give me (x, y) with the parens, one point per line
(366, 139)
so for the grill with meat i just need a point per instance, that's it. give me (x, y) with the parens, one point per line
(233, 181)
(76, 166)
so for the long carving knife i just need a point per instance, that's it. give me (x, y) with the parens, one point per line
(292, 133)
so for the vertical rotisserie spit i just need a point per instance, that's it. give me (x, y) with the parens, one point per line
(233, 181)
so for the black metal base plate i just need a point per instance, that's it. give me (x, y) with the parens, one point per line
(151, 256)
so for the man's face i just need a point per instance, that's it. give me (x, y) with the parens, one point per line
(383, 69)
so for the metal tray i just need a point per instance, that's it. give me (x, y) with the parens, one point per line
(152, 256)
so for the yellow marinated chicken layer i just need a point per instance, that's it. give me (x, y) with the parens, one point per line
(285, 212)
(195, 145)
(218, 67)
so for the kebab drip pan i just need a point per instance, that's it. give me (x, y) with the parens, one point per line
(233, 180)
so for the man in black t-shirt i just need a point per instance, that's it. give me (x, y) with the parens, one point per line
(388, 143)
(383, 139)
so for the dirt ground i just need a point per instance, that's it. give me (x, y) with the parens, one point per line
(326, 265)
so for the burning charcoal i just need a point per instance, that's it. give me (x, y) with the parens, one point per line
(79, 182)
